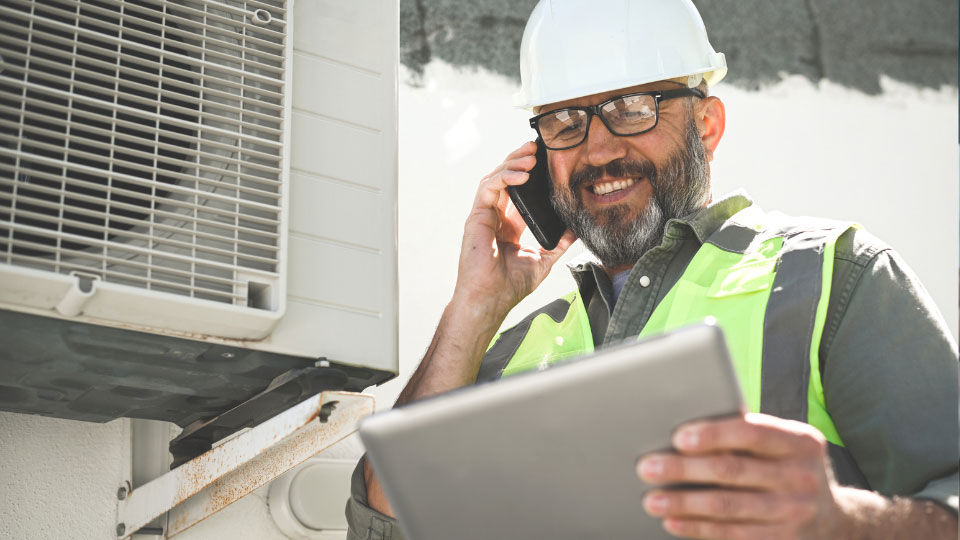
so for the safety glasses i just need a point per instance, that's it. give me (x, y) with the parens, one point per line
(630, 114)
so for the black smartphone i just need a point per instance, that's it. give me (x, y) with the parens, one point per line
(532, 199)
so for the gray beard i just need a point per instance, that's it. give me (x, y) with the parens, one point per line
(680, 187)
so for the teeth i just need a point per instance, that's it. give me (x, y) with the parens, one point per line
(610, 187)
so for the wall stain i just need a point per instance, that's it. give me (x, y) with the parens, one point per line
(817, 40)
(853, 43)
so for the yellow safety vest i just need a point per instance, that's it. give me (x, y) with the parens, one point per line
(767, 284)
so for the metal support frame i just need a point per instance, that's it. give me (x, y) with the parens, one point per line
(221, 476)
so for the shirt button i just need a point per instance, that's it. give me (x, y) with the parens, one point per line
(644, 281)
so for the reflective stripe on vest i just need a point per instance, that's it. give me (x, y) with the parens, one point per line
(766, 285)
(567, 334)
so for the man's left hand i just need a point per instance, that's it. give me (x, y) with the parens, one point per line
(771, 478)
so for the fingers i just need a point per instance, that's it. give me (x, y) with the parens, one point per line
(713, 530)
(565, 242)
(492, 187)
(723, 469)
(734, 514)
(494, 213)
(562, 246)
(526, 149)
(512, 172)
(758, 434)
(521, 159)
(728, 505)
(511, 221)
(759, 477)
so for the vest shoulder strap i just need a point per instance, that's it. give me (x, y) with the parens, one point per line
(793, 322)
(796, 309)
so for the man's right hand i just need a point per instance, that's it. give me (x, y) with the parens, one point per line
(495, 271)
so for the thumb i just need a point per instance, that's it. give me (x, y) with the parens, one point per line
(551, 256)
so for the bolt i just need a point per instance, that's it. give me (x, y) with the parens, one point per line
(227, 355)
(122, 493)
(121, 528)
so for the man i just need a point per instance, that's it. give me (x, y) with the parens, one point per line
(848, 369)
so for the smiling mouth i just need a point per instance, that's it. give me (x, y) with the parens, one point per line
(606, 188)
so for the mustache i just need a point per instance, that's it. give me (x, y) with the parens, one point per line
(618, 168)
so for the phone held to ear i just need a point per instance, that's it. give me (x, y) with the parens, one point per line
(532, 199)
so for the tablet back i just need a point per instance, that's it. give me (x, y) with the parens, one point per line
(549, 454)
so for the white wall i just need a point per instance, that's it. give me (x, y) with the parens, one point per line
(59, 477)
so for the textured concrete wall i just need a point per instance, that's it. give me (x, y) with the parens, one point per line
(849, 42)
(60, 477)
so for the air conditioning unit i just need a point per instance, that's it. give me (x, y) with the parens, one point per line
(197, 207)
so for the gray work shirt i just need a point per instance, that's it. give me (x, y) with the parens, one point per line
(887, 360)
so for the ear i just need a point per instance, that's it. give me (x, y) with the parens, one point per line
(711, 120)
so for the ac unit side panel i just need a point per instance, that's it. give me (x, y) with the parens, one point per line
(342, 288)
(337, 90)
(327, 208)
(332, 148)
(348, 336)
(362, 33)
(339, 275)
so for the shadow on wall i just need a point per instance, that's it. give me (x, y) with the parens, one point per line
(848, 42)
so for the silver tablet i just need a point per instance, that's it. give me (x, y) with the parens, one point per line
(550, 454)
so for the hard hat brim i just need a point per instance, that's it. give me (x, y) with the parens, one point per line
(711, 75)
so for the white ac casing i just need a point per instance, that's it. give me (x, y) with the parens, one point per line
(331, 288)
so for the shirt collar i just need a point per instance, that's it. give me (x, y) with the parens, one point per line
(706, 221)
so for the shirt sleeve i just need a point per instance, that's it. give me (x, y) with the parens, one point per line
(363, 522)
(890, 381)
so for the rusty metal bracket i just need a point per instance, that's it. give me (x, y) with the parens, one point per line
(221, 476)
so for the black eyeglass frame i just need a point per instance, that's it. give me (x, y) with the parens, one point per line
(594, 110)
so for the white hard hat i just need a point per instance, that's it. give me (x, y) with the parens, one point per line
(575, 48)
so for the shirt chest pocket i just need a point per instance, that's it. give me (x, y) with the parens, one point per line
(747, 278)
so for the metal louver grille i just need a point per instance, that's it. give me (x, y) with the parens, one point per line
(141, 142)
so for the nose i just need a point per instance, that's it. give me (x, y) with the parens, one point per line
(602, 146)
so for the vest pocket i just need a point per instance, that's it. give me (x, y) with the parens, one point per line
(748, 278)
